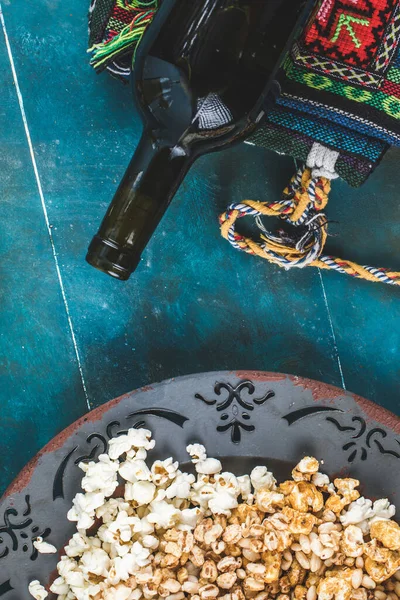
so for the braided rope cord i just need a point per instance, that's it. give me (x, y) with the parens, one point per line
(302, 205)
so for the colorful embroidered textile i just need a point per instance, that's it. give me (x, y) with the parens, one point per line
(340, 86)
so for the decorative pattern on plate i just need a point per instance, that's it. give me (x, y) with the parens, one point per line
(234, 401)
(19, 532)
(365, 438)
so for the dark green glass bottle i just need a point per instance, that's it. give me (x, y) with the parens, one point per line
(202, 76)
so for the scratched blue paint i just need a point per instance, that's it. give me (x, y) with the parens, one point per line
(40, 388)
(366, 317)
(194, 303)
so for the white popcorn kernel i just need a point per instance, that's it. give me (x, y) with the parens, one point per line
(75, 579)
(142, 492)
(227, 482)
(119, 529)
(44, 547)
(180, 487)
(260, 477)
(162, 471)
(83, 509)
(66, 565)
(244, 486)
(222, 503)
(109, 510)
(140, 554)
(163, 514)
(120, 592)
(100, 476)
(141, 453)
(197, 452)
(189, 518)
(134, 470)
(119, 446)
(121, 569)
(135, 438)
(383, 510)
(77, 545)
(201, 493)
(37, 590)
(150, 541)
(320, 480)
(357, 512)
(143, 526)
(59, 586)
(95, 561)
(209, 466)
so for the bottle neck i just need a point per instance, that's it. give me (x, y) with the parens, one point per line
(148, 186)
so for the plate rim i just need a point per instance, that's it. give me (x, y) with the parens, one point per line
(319, 390)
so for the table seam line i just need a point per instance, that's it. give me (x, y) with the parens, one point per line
(335, 346)
(44, 208)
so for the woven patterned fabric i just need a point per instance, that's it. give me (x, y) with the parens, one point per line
(340, 86)
(99, 14)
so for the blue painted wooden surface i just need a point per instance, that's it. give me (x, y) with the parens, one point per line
(73, 338)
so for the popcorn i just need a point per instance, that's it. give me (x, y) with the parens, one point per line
(77, 545)
(202, 492)
(180, 536)
(37, 590)
(120, 592)
(209, 466)
(109, 510)
(163, 514)
(121, 569)
(59, 586)
(133, 470)
(189, 518)
(180, 487)
(140, 554)
(197, 452)
(305, 469)
(320, 480)
(142, 526)
(227, 482)
(135, 439)
(382, 510)
(100, 476)
(245, 486)
(163, 471)
(44, 547)
(83, 509)
(95, 561)
(358, 512)
(141, 492)
(150, 541)
(222, 503)
(353, 541)
(260, 477)
(120, 529)
(387, 532)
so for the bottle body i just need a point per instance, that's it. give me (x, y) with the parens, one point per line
(202, 75)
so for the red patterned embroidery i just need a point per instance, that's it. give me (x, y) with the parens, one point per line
(349, 30)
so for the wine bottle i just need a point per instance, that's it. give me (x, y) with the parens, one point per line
(203, 73)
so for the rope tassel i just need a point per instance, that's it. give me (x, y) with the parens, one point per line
(302, 205)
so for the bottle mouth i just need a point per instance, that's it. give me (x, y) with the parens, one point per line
(110, 258)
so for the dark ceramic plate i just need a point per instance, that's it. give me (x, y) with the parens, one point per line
(247, 418)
